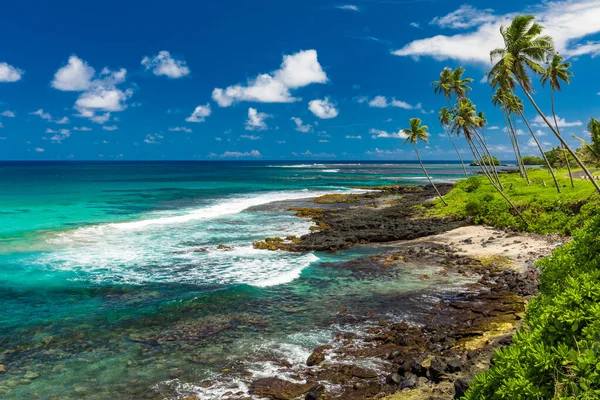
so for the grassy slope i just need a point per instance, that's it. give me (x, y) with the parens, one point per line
(545, 210)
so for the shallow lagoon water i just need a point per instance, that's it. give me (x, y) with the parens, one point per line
(113, 287)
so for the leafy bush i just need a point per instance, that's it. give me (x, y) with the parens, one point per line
(532, 160)
(557, 352)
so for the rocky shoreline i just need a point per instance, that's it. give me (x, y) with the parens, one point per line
(436, 357)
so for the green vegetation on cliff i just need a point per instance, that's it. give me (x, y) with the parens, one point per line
(545, 210)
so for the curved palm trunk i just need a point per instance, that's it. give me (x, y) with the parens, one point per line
(563, 147)
(512, 127)
(490, 159)
(542, 151)
(457, 152)
(479, 162)
(427, 175)
(512, 143)
(585, 170)
(472, 146)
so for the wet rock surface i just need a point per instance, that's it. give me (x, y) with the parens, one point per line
(437, 358)
(373, 217)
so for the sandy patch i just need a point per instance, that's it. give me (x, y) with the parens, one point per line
(483, 242)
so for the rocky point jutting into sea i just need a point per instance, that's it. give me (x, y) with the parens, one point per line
(483, 279)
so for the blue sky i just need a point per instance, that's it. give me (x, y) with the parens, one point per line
(263, 79)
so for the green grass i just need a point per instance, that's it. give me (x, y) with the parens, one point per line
(545, 210)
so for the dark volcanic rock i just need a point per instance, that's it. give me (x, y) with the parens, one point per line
(437, 369)
(315, 358)
(316, 393)
(454, 365)
(279, 389)
(409, 381)
(393, 379)
(460, 387)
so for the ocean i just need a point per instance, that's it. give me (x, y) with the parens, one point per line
(112, 284)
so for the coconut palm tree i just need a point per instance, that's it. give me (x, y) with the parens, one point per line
(499, 100)
(414, 134)
(517, 107)
(556, 71)
(466, 121)
(445, 118)
(443, 85)
(524, 48)
(459, 85)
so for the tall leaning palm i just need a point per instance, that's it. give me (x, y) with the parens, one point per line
(524, 49)
(445, 118)
(414, 134)
(556, 71)
(466, 121)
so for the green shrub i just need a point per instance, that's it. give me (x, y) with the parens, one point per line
(472, 184)
(556, 355)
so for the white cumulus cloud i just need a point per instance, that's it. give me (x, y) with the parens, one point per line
(100, 91)
(164, 64)
(42, 114)
(75, 76)
(256, 120)
(200, 113)
(297, 70)
(323, 109)
(349, 7)
(378, 133)
(8, 73)
(568, 22)
(238, 154)
(110, 127)
(181, 129)
(562, 123)
(301, 126)
(39, 150)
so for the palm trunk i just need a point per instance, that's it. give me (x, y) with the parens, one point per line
(512, 127)
(427, 175)
(585, 170)
(457, 152)
(542, 151)
(472, 146)
(490, 159)
(512, 142)
(558, 130)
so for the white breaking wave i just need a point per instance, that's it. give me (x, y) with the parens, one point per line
(167, 248)
(220, 209)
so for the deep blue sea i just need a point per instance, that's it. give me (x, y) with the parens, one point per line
(112, 286)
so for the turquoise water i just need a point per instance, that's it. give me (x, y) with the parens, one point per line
(112, 285)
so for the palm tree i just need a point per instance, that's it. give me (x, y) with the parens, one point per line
(413, 134)
(524, 48)
(558, 70)
(466, 121)
(499, 100)
(443, 85)
(458, 84)
(445, 117)
(517, 107)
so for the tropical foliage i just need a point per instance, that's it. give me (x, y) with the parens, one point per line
(556, 354)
